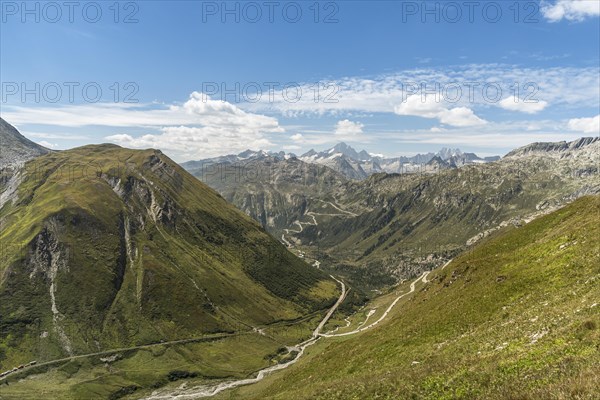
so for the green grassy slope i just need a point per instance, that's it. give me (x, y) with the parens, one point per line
(106, 247)
(518, 317)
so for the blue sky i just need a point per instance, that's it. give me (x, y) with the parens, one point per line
(394, 77)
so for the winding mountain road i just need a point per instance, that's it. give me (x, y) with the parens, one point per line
(182, 393)
(385, 314)
(314, 223)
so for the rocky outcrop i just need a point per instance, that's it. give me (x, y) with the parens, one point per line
(48, 257)
(553, 147)
(15, 148)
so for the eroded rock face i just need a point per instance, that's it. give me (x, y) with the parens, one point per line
(140, 190)
(15, 148)
(47, 257)
(10, 179)
(556, 147)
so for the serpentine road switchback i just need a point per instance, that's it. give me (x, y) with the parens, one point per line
(204, 391)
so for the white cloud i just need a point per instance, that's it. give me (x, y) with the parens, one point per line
(218, 128)
(348, 128)
(571, 87)
(198, 109)
(197, 128)
(201, 127)
(344, 130)
(186, 142)
(497, 137)
(528, 107)
(102, 114)
(586, 125)
(564, 87)
(460, 116)
(47, 144)
(571, 10)
(490, 140)
(59, 136)
(429, 107)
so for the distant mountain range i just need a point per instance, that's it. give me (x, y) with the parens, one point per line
(370, 224)
(359, 165)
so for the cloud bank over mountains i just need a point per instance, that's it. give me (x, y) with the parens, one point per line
(425, 105)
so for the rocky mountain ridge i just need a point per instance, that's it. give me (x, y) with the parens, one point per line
(351, 163)
(15, 149)
(562, 148)
(360, 165)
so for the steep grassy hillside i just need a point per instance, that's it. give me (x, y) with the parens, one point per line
(518, 317)
(104, 247)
